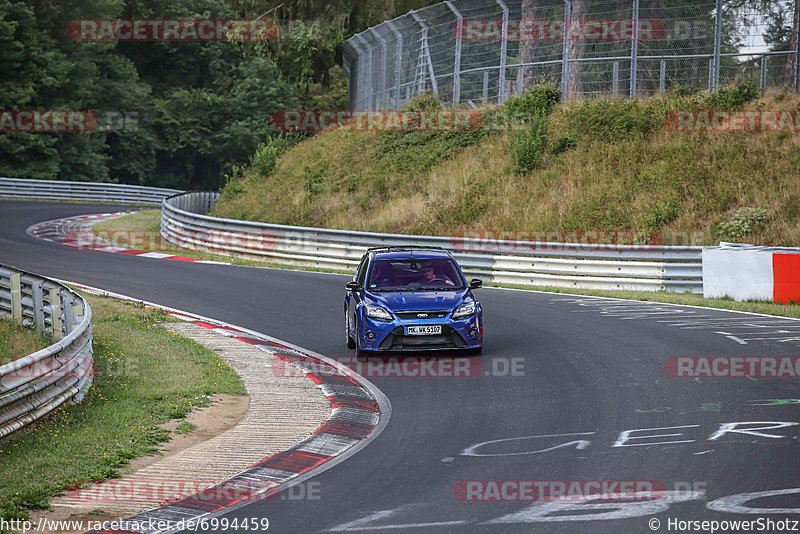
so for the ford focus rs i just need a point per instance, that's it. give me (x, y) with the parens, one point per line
(406, 299)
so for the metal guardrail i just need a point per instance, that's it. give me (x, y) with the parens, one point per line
(589, 266)
(33, 386)
(87, 191)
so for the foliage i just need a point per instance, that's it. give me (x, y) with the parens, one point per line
(539, 98)
(608, 119)
(733, 96)
(743, 222)
(265, 159)
(527, 143)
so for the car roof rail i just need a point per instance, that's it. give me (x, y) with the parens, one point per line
(414, 247)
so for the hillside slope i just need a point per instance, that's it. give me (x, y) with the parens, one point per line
(600, 165)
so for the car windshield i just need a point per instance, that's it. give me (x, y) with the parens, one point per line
(414, 275)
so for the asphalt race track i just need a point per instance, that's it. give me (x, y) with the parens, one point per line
(572, 376)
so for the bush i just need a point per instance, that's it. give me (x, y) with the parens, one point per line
(423, 102)
(562, 144)
(538, 99)
(527, 144)
(265, 159)
(233, 186)
(733, 96)
(743, 222)
(613, 120)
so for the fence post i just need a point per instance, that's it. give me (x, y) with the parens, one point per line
(565, 52)
(368, 71)
(763, 78)
(717, 46)
(635, 48)
(55, 314)
(16, 297)
(615, 78)
(384, 65)
(485, 93)
(501, 93)
(796, 30)
(424, 49)
(662, 76)
(457, 59)
(710, 74)
(38, 303)
(398, 66)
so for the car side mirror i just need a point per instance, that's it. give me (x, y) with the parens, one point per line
(352, 286)
(475, 283)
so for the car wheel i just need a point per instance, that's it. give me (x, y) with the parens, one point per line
(475, 351)
(351, 343)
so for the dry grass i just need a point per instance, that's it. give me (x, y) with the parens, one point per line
(681, 185)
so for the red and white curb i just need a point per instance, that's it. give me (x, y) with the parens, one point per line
(76, 233)
(360, 411)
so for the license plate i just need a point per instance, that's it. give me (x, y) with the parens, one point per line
(427, 330)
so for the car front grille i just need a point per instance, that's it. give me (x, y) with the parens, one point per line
(397, 340)
(429, 314)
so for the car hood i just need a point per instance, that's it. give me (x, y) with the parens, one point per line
(419, 300)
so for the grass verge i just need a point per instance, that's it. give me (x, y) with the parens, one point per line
(146, 377)
(17, 341)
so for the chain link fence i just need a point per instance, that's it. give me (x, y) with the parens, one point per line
(475, 52)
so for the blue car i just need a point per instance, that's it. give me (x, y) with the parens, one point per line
(411, 299)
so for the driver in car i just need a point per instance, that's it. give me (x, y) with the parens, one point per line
(429, 276)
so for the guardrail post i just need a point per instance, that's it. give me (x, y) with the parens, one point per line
(55, 314)
(16, 297)
(662, 76)
(69, 317)
(763, 77)
(501, 92)
(38, 303)
(485, 93)
(615, 78)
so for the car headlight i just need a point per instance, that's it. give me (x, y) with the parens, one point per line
(376, 312)
(465, 310)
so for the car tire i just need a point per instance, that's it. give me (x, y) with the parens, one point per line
(351, 343)
(475, 351)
